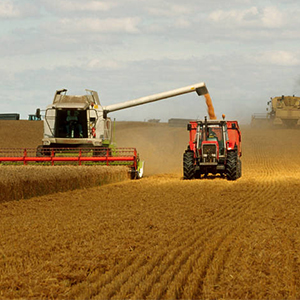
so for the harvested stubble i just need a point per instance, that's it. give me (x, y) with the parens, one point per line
(20, 134)
(21, 182)
(162, 237)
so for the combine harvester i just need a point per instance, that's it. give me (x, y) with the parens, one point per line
(283, 111)
(78, 130)
(214, 147)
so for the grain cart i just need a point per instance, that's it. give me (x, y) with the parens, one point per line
(214, 148)
(282, 111)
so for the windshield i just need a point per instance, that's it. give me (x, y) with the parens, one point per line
(214, 133)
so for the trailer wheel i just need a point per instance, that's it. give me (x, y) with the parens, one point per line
(188, 165)
(232, 165)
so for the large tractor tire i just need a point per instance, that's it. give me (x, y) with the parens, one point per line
(232, 165)
(188, 165)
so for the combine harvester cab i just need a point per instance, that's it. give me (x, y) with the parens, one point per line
(77, 129)
(76, 121)
(214, 148)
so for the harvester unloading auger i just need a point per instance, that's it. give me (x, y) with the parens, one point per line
(77, 129)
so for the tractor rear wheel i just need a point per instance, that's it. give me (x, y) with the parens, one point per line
(232, 165)
(188, 165)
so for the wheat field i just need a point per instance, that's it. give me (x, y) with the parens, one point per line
(161, 237)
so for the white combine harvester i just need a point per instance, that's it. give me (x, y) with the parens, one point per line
(81, 121)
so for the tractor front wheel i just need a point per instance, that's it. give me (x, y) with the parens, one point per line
(188, 165)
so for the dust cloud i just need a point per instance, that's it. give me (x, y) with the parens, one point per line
(159, 145)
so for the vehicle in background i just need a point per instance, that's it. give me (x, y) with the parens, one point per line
(9, 116)
(283, 111)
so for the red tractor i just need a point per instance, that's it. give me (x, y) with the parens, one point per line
(214, 148)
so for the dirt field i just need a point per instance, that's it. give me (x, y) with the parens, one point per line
(162, 237)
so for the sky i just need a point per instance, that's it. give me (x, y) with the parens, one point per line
(245, 51)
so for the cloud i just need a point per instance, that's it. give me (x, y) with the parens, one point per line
(268, 17)
(9, 10)
(95, 25)
(14, 11)
(80, 6)
(87, 6)
(233, 17)
(97, 64)
(182, 23)
(169, 10)
(272, 17)
(280, 58)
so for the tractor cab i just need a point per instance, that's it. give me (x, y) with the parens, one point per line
(211, 142)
